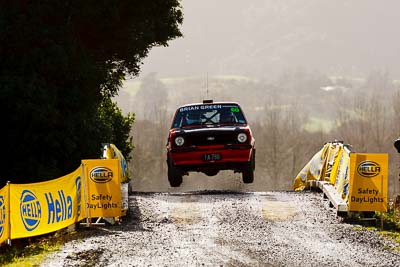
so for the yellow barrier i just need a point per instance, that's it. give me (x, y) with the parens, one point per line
(4, 214)
(312, 171)
(103, 189)
(331, 166)
(110, 151)
(45, 207)
(343, 175)
(92, 190)
(321, 167)
(360, 179)
(368, 182)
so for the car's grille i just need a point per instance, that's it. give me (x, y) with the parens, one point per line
(211, 138)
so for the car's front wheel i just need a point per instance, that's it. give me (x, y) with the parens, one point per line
(174, 175)
(248, 170)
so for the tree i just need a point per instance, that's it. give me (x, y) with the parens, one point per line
(115, 128)
(151, 98)
(149, 164)
(61, 61)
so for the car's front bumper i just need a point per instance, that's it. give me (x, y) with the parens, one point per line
(192, 158)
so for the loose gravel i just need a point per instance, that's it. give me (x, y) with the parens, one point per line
(229, 229)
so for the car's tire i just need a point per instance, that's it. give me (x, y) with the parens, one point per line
(248, 175)
(211, 172)
(253, 160)
(248, 170)
(174, 175)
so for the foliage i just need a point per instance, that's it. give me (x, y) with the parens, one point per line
(22, 253)
(391, 218)
(113, 127)
(61, 61)
(395, 236)
(391, 223)
(32, 251)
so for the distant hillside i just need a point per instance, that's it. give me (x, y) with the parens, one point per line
(262, 38)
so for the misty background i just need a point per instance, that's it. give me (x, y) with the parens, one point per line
(305, 73)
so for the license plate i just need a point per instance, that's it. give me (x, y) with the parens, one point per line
(212, 157)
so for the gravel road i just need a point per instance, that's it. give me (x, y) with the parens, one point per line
(229, 229)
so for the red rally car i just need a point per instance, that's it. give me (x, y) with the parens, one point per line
(209, 137)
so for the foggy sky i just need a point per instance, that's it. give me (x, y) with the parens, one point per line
(262, 38)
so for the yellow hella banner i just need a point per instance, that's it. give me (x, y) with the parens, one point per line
(41, 208)
(328, 169)
(103, 188)
(4, 214)
(342, 175)
(312, 171)
(368, 182)
(112, 152)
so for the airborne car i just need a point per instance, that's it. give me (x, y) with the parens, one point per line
(209, 137)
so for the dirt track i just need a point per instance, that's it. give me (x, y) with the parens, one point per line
(229, 229)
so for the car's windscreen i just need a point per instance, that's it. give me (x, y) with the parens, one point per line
(210, 114)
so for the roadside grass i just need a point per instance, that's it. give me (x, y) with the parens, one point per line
(391, 218)
(32, 251)
(391, 224)
(30, 255)
(29, 251)
(395, 235)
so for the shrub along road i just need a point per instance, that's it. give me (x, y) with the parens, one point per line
(229, 229)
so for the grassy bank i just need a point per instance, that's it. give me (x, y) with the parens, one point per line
(32, 251)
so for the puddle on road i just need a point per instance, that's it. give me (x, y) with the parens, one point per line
(186, 213)
(182, 198)
(278, 210)
(190, 209)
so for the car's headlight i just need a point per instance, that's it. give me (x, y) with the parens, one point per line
(242, 137)
(179, 141)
